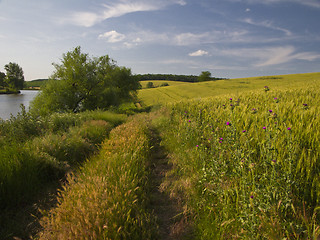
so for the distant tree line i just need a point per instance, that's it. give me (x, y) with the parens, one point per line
(13, 79)
(179, 78)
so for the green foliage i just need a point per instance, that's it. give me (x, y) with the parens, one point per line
(247, 165)
(81, 83)
(165, 84)
(204, 76)
(150, 85)
(2, 79)
(14, 76)
(108, 198)
(35, 152)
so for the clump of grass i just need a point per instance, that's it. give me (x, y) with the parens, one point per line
(108, 198)
(247, 165)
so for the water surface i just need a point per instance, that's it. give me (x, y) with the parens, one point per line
(10, 103)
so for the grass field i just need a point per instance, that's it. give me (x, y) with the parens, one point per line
(157, 83)
(247, 163)
(155, 96)
(243, 156)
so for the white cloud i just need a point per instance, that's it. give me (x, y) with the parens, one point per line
(117, 9)
(267, 24)
(112, 36)
(310, 3)
(185, 39)
(263, 57)
(198, 53)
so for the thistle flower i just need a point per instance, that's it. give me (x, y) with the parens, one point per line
(264, 128)
(244, 131)
(289, 128)
(228, 123)
(270, 111)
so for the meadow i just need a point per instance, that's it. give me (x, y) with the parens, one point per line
(244, 158)
(246, 166)
(185, 91)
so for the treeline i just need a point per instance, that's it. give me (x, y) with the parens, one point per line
(172, 77)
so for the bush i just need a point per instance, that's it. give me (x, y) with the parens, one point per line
(150, 85)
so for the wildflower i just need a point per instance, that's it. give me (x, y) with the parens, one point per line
(251, 196)
(220, 141)
(244, 131)
(228, 123)
(264, 128)
(270, 111)
(289, 128)
(230, 99)
(189, 120)
(273, 160)
(197, 146)
(221, 138)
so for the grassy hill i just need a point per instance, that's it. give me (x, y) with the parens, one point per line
(37, 83)
(154, 96)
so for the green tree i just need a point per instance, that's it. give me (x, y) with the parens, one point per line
(14, 76)
(150, 85)
(2, 79)
(204, 76)
(82, 83)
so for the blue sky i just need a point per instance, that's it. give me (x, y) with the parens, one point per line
(229, 38)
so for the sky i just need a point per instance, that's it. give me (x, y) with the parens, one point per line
(229, 38)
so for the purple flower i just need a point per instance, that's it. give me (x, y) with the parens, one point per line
(221, 138)
(220, 141)
(197, 146)
(189, 120)
(273, 160)
(275, 98)
(228, 123)
(251, 196)
(244, 131)
(289, 128)
(264, 128)
(270, 111)
(230, 99)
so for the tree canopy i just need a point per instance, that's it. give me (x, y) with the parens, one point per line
(82, 83)
(204, 76)
(13, 79)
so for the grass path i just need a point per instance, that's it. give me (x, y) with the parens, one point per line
(167, 210)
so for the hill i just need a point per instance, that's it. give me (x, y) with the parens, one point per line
(154, 96)
(35, 84)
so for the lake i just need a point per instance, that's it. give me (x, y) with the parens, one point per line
(10, 103)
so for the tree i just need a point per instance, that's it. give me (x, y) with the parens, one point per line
(150, 85)
(2, 79)
(82, 83)
(204, 76)
(14, 76)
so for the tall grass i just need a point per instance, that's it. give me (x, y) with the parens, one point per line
(32, 157)
(155, 96)
(108, 198)
(248, 164)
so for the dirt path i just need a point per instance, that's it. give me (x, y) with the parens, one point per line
(168, 213)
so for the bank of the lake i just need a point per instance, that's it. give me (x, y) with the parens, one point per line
(10, 103)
